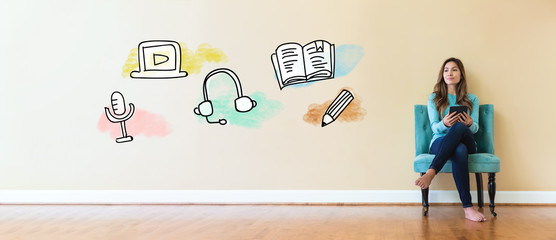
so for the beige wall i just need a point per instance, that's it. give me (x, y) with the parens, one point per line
(60, 66)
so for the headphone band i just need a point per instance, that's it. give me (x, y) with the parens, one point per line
(229, 73)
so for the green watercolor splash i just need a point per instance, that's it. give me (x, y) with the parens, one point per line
(222, 93)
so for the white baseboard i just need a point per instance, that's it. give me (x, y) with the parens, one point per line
(258, 196)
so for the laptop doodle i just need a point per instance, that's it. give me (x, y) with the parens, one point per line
(159, 59)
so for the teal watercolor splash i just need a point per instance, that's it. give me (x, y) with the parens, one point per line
(222, 93)
(347, 56)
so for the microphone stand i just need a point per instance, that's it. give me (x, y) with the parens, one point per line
(121, 120)
(125, 137)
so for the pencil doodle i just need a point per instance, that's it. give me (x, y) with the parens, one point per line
(295, 64)
(337, 107)
(191, 60)
(242, 103)
(346, 107)
(119, 116)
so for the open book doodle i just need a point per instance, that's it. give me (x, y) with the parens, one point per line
(296, 64)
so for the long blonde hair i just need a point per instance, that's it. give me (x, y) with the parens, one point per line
(441, 89)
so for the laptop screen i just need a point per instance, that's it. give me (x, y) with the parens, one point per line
(160, 58)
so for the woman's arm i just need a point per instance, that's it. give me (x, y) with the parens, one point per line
(475, 114)
(436, 124)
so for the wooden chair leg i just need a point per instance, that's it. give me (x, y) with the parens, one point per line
(480, 197)
(425, 199)
(492, 191)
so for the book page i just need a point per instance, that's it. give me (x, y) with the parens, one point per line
(319, 60)
(291, 66)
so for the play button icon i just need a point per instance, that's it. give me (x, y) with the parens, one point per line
(160, 59)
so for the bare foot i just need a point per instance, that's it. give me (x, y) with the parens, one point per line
(474, 215)
(425, 181)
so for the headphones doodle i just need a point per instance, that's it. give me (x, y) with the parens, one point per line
(242, 103)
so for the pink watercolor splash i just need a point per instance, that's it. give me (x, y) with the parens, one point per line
(142, 122)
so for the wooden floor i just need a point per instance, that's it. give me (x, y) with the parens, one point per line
(288, 222)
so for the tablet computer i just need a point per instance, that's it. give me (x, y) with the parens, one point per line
(458, 109)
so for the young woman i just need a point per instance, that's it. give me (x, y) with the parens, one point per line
(453, 133)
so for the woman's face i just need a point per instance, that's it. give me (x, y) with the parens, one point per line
(452, 74)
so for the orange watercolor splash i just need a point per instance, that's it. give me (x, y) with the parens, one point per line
(191, 61)
(142, 122)
(353, 112)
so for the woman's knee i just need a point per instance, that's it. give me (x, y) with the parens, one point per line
(459, 125)
(461, 152)
(460, 129)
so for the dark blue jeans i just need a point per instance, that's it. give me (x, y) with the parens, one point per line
(456, 145)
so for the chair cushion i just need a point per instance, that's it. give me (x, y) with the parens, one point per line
(478, 163)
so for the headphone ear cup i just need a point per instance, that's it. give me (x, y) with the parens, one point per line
(244, 104)
(204, 109)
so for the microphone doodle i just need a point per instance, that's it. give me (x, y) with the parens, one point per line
(118, 107)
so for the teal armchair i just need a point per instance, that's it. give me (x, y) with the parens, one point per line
(484, 161)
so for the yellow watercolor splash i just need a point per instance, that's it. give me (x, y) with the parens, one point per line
(191, 61)
(131, 63)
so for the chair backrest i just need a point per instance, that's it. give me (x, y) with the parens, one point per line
(484, 137)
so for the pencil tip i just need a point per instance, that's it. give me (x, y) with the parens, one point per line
(323, 124)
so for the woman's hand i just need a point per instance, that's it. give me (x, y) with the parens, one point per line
(450, 119)
(466, 119)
